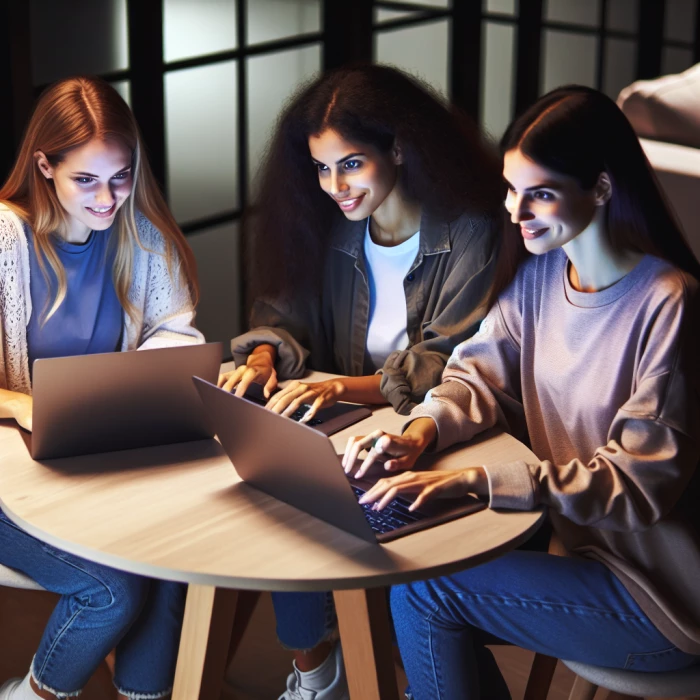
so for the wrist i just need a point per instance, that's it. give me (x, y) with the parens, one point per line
(267, 351)
(339, 388)
(423, 432)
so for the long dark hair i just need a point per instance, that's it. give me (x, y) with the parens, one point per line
(447, 167)
(579, 132)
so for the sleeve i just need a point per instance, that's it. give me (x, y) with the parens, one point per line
(280, 324)
(481, 383)
(408, 374)
(168, 312)
(652, 452)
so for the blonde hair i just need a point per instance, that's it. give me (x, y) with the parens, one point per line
(69, 114)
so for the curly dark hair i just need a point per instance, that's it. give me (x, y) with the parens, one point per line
(447, 167)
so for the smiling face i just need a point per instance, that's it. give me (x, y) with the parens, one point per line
(92, 182)
(357, 176)
(552, 209)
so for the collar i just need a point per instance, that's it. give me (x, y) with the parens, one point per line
(348, 236)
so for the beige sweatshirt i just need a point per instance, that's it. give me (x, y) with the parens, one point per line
(602, 384)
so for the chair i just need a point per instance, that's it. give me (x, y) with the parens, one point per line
(633, 683)
(15, 579)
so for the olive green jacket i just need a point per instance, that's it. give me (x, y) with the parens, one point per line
(445, 288)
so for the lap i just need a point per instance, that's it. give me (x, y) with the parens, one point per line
(59, 571)
(568, 607)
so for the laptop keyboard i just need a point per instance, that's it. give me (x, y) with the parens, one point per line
(395, 515)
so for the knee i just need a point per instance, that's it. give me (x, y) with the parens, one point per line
(122, 594)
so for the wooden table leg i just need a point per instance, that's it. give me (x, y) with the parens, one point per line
(206, 634)
(363, 619)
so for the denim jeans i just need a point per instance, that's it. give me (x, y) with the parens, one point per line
(304, 620)
(100, 609)
(568, 607)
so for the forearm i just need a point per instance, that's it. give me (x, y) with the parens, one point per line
(362, 389)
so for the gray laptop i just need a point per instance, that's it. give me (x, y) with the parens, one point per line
(119, 400)
(299, 465)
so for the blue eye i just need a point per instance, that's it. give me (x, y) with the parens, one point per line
(352, 164)
(83, 180)
(321, 167)
(122, 176)
(544, 196)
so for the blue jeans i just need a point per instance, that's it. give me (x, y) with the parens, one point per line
(304, 620)
(567, 607)
(100, 609)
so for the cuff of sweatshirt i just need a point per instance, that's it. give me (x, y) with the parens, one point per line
(290, 358)
(511, 486)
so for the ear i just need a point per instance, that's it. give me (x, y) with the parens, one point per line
(603, 189)
(43, 164)
(396, 154)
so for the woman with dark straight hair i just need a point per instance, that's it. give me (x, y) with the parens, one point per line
(588, 352)
(91, 261)
(372, 255)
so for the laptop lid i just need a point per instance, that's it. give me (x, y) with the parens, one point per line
(285, 459)
(120, 400)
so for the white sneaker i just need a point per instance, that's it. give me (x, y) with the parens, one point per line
(17, 689)
(298, 682)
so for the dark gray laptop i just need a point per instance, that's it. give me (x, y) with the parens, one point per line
(119, 400)
(299, 465)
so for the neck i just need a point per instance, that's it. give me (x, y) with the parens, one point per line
(395, 220)
(74, 232)
(594, 264)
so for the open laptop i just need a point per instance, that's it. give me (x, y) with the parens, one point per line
(299, 465)
(326, 420)
(119, 400)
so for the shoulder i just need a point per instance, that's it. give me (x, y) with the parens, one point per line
(11, 232)
(149, 236)
(476, 234)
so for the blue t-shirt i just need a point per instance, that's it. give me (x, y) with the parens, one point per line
(90, 318)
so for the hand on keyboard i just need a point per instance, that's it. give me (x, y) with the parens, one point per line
(296, 394)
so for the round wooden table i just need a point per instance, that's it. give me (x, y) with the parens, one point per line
(181, 512)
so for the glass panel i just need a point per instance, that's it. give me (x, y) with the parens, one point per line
(271, 79)
(198, 28)
(503, 7)
(620, 65)
(382, 15)
(674, 60)
(497, 81)
(201, 124)
(679, 20)
(399, 47)
(568, 58)
(216, 250)
(123, 87)
(275, 19)
(623, 15)
(98, 28)
(573, 11)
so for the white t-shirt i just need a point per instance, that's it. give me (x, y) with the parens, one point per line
(387, 267)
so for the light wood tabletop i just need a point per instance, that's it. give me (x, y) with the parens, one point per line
(181, 512)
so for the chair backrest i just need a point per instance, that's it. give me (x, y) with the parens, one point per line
(15, 579)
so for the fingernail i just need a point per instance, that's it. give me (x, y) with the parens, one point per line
(362, 499)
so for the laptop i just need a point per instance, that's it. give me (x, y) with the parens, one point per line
(326, 420)
(299, 465)
(88, 404)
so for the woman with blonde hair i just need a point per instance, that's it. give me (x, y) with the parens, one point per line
(91, 261)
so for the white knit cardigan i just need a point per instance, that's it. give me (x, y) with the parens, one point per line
(165, 309)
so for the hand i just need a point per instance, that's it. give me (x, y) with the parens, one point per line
(21, 407)
(296, 394)
(396, 451)
(259, 368)
(428, 485)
